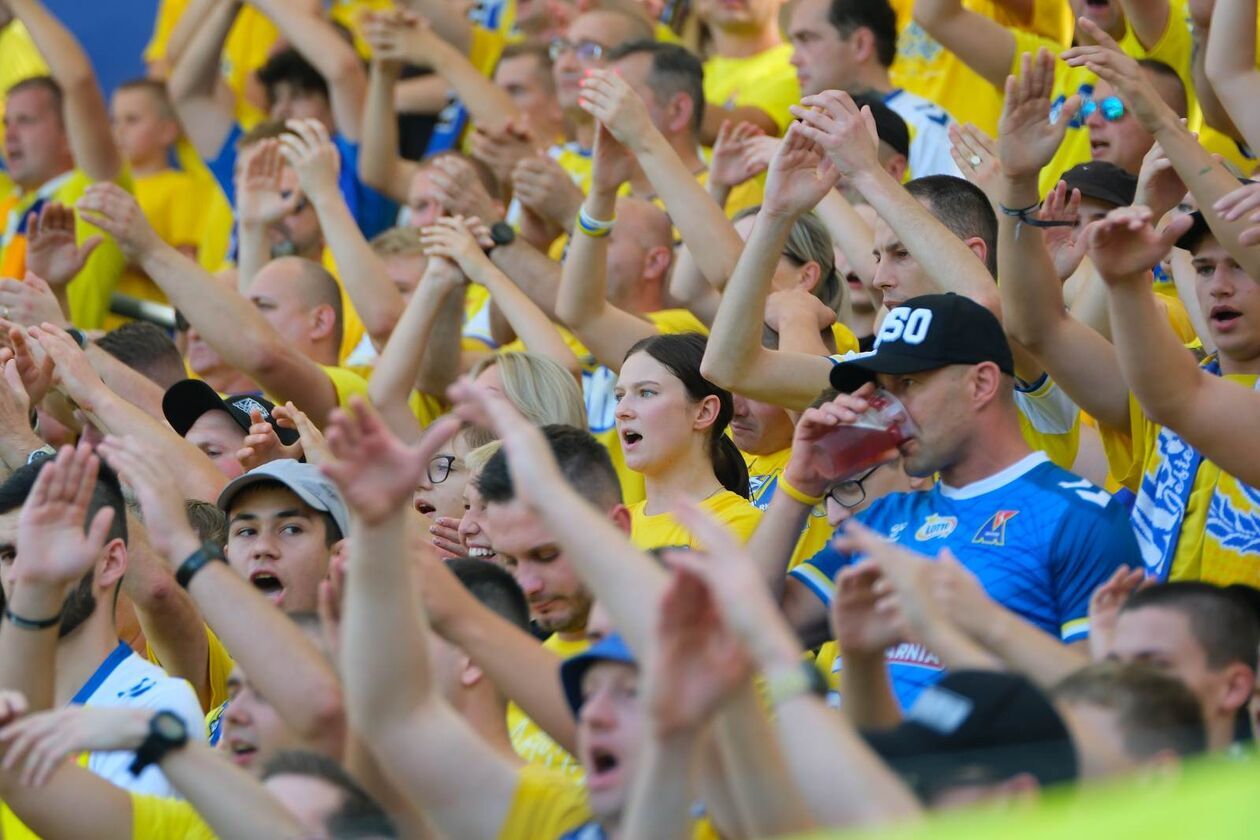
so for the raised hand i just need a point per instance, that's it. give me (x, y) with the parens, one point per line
(311, 442)
(51, 250)
(1124, 247)
(1236, 204)
(1027, 139)
(795, 300)
(1159, 187)
(611, 163)
(808, 469)
(73, 373)
(55, 549)
(158, 492)
(611, 101)
(34, 366)
(503, 150)
(260, 200)
(400, 35)
(30, 301)
(375, 472)
(41, 743)
(1105, 605)
(115, 211)
(731, 164)
(262, 444)
(544, 188)
(843, 130)
(860, 627)
(1066, 245)
(459, 190)
(451, 239)
(698, 662)
(905, 591)
(331, 594)
(799, 176)
(1122, 72)
(311, 153)
(529, 457)
(444, 533)
(976, 156)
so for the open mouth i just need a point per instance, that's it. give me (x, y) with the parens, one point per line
(267, 583)
(242, 754)
(630, 438)
(477, 552)
(424, 508)
(602, 769)
(1224, 315)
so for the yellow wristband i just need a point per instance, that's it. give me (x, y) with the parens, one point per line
(800, 496)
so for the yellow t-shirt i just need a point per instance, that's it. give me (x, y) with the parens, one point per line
(1050, 422)
(926, 68)
(1218, 508)
(89, 292)
(347, 382)
(21, 60)
(216, 219)
(249, 43)
(156, 818)
(219, 667)
(531, 742)
(546, 805)
(170, 201)
(763, 482)
(766, 80)
(661, 530)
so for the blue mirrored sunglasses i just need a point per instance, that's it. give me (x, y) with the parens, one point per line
(1112, 108)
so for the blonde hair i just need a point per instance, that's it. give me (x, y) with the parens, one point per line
(476, 459)
(541, 389)
(398, 242)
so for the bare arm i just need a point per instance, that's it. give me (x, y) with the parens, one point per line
(1148, 19)
(86, 115)
(393, 701)
(380, 166)
(445, 17)
(582, 303)
(1214, 111)
(451, 239)
(1079, 359)
(1231, 64)
(227, 321)
(201, 99)
(394, 376)
(984, 45)
(335, 59)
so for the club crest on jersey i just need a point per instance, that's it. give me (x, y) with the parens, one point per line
(894, 533)
(936, 527)
(993, 532)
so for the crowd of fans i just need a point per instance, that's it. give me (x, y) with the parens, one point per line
(632, 419)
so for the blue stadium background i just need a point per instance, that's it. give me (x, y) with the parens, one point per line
(113, 32)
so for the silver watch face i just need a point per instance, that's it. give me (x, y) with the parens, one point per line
(170, 727)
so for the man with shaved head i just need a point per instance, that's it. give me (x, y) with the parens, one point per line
(286, 336)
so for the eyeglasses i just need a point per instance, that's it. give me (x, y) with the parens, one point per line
(440, 468)
(1112, 108)
(851, 493)
(586, 51)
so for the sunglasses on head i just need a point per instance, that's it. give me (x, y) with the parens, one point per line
(1111, 108)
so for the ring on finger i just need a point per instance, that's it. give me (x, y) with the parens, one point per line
(975, 160)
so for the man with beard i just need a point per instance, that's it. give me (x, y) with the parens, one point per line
(93, 667)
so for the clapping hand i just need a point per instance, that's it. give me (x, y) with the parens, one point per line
(51, 249)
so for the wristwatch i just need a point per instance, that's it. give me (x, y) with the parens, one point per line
(789, 683)
(195, 562)
(167, 732)
(501, 233)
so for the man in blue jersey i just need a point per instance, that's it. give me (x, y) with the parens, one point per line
(1039, 538)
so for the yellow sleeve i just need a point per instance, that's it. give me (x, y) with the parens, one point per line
(156, 818)
(426, 407)
(168, 14)
(218, 666)
(89, 292)
(1053, 19)
(347, 382)
(485, 48)
(545, 805)
(670, 321)
(1126, 448)
(845, 340)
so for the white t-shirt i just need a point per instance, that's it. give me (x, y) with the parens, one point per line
(126, 679)
(929, 133)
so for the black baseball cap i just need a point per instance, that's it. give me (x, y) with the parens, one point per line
(1103, 181)
(1199, 227)
(978, 727)
(926, 333)
(185, 402)
(889, 125)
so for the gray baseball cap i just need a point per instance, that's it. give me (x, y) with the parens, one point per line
(305, 480)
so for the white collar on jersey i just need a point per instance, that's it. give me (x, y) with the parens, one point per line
(998, 479)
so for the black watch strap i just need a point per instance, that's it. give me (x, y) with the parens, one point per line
(208, 553)
(167, 732)
(501, 233)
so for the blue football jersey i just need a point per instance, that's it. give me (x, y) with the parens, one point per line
(1039, 539)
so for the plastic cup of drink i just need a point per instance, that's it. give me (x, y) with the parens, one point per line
(853, 449)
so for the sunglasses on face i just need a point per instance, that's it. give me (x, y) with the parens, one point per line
(586, 51)
(1111, 108)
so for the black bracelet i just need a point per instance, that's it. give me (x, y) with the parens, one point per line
(31, 624)
(1022, 214)
(195, 562)
(78, 336)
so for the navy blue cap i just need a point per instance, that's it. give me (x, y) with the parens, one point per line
(608, 649)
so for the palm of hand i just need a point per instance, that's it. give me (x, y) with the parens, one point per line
(261, 202)
(795, 181)
(1026, 138)
(859, 628)
(1118, 253)
(377, 477)
(1066, 250)
(51, 543)
(700, 665)
(55, 256)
